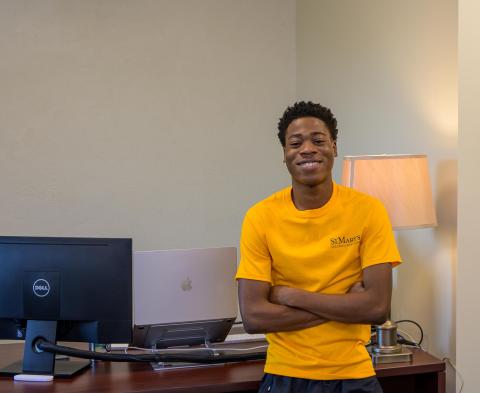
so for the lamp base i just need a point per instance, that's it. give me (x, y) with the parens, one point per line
(403, 355)
(387, 349)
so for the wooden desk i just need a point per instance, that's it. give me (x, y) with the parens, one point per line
(425, 374)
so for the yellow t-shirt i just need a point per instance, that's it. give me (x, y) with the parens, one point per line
(319, 250)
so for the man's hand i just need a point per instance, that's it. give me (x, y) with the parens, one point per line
(279, 294)
(260, 315)
(357, 287)
(282, 294)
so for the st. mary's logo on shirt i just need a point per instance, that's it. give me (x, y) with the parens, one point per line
(344, 241)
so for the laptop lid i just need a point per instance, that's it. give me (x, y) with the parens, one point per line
(172, 286)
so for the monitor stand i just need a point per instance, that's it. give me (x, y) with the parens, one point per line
(43, 362)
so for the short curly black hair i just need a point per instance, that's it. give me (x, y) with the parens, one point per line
(306, 109)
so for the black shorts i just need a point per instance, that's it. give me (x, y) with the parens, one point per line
(272, 383)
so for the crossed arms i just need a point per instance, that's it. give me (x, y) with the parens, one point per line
(267, 309)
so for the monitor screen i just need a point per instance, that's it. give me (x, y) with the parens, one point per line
(69, 289)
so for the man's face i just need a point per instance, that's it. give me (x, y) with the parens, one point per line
(309, 151)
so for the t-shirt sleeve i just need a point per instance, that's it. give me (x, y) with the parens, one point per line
(255, 260)
(378, 242)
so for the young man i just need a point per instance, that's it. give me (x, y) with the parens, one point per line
(315, 268)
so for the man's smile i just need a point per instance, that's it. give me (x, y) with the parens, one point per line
(309, 163)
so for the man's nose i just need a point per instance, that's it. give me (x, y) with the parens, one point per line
(307, 148)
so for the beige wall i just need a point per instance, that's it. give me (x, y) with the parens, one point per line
(389, 71)
(150, 119)
(468, 293)
(156, 119)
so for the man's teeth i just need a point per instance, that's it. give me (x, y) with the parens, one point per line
(309, 164)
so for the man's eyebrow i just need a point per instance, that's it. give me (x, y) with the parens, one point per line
(299, 135)
(295, 136)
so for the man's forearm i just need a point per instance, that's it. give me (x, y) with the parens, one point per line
(260, 315)
(268, 317)
(371, 304)
(348, 308)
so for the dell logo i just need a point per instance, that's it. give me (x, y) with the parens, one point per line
(41, 287)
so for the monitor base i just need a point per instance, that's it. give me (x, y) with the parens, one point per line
(63, 368)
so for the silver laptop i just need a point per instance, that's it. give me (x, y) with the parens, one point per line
(183, 297)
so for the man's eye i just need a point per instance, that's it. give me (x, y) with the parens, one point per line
(294, 144)
(318, 141)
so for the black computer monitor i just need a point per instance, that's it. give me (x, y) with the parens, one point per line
(68, 289)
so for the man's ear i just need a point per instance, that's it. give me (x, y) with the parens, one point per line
(335, 149)
(284, 154)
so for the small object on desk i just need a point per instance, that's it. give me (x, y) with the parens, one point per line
(116, 347)
(244, 337)
(161, 366)
(33, 378)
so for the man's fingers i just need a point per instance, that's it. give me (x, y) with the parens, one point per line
(357, 287)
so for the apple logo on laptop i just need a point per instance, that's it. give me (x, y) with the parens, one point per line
(187, 284)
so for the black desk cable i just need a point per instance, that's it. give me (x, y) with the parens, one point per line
(206, 356)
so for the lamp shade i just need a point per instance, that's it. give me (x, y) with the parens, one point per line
(400, 181)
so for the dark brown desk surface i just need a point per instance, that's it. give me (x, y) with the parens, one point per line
(138, 377)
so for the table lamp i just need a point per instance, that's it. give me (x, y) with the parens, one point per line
(402, 183)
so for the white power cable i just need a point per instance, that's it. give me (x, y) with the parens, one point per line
(452, 365)
(173, 350)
